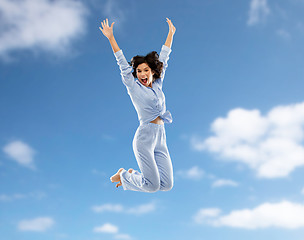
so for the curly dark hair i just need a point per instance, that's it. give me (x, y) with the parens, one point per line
(153, 62)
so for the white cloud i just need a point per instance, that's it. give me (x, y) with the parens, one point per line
(99, 173)
(112, 229)
(106, 228)
(114, 12)
(194, 173)
(38, 224)
(46, 24)
(108, 208)
(204, 215)
(7, 198)
(21, 153)
(108, 137)
(138, 210)
(272, 145)
(18, 196)
(142, 209)
(224, 182)
(283, 34)
(258, 11)
(282, 215)
(123, 236)
(300, 27)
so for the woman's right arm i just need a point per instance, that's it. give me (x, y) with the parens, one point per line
(108, 32)
(125, 68)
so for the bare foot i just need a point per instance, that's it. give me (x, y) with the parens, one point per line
(116, 177)
(130, 170)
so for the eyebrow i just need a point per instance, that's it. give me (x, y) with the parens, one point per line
(144, 68)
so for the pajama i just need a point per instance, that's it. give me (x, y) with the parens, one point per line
(149, 143)
(152, 155)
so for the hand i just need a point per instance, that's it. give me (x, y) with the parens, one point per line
(171, 26)
(106, 30)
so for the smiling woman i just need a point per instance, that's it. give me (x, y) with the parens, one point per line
(147, 68)
(149, 143)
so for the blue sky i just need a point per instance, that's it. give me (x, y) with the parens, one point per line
(234, 86)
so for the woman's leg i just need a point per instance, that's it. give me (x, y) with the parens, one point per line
(148, 180)
(163, 161)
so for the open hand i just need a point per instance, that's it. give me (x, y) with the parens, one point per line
(171, 26)
(106, 30)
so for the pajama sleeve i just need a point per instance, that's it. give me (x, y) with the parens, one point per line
(125, 69)
(164, 57)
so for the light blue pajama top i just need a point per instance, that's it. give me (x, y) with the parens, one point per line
(149, 102)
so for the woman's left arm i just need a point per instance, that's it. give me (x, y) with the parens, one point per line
(172, 29)
(166, 50)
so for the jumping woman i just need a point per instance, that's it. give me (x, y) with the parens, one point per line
(143, 78)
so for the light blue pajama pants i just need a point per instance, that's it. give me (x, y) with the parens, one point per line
(152, 155)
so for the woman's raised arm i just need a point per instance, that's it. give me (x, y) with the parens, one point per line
(125, 68)
(166, 50)
(172, 29)
(108, 32)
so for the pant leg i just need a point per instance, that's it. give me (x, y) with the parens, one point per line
(163, 161)
(143, 146)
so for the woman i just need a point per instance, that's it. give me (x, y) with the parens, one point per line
(149, 143)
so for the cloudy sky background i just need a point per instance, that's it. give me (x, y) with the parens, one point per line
(234, 86)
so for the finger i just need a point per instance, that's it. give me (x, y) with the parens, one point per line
(104, 22)
(112, 24)
(107, 22)
(102, 25)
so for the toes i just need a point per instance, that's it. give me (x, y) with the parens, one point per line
(113, 178)
(116, 176)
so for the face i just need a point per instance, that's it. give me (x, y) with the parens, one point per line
(145, 74)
